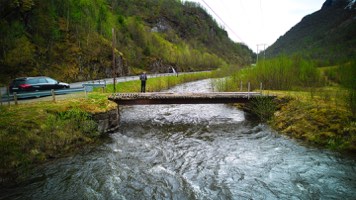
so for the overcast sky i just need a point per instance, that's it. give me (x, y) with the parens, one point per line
(259, 21)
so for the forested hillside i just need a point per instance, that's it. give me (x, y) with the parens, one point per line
(328, 35)
(72, 40)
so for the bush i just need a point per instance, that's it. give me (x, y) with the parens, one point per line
(345, 75)
(262, 107)
(76, 119)
(351, 102)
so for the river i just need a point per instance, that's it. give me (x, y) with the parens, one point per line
(193, 152)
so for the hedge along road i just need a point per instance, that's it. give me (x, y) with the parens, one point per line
(75, 88)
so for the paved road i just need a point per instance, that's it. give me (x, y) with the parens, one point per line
(118, 79)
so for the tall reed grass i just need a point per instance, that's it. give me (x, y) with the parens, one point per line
(282, 73)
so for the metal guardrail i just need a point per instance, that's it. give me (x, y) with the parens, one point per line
(86, 88)
(94, 85)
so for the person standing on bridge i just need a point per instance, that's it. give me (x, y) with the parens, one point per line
(143, 78)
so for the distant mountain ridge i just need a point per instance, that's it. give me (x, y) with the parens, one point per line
(328, 35)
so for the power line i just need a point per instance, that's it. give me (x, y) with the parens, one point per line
(223, 21)
(262, 18)
(244, 12)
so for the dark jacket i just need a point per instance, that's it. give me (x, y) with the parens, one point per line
(143, 77)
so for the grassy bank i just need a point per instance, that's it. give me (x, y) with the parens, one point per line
(316, 119)
(35, 132)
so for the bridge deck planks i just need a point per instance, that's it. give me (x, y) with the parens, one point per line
(183, 98)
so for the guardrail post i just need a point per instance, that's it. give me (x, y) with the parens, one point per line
(248, 90)
(240, 86)
(53, 95)
(8, 95)
(15, 98)
(261, 87)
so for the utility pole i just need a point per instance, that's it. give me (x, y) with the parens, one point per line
(113, 59)
(264, 51)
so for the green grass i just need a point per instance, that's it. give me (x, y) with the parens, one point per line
(158, 83)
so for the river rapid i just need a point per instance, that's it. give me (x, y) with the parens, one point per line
(193, 152)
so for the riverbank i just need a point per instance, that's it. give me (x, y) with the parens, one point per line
(316, 120)
(37, 132)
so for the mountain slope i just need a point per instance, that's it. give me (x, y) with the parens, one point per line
(72, 40)
(328, 35)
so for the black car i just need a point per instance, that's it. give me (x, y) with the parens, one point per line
(32, 84)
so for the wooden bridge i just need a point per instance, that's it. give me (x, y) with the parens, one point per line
(184, 98)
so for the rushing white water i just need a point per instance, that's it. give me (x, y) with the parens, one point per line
(193, 152)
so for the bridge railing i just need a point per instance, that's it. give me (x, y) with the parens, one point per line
(248, 86)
